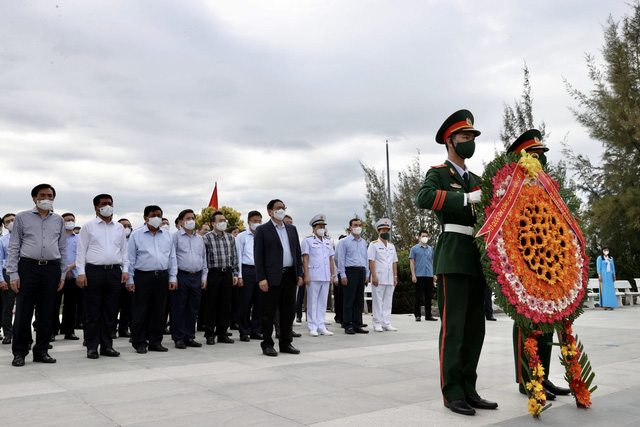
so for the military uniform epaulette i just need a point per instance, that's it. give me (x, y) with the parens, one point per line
(375, 241)
(309, 235)
(439, 166)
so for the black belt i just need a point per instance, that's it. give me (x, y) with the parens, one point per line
(248, 266)
(188, 273)
(153, 272)
(220, 269)
(104, 267)
(355, 268)
(41, 261)
(287, 269)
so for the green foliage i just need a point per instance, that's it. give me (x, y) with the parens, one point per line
(232, 216)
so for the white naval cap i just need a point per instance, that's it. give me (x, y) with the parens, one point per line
(383, 223)
(318, 219)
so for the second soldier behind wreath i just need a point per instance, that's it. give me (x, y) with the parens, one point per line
(448, 190)
(383, 264)
(319, 273)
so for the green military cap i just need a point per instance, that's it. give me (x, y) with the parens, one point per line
(460, 121)
(529, 140)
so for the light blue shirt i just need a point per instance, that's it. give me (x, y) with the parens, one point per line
(422, 257)
(4, 253)
(244, 247)
(352, 253)
(72, 250)
(149, 252)
(287, 259)
(191, 255)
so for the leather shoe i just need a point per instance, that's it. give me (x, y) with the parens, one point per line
(349, 331)
(141, 349)
(550, 396)
(244, 338)
(418, 319)
(493, 319)
(360, 331)
(110, 352)
(211, 340)
(6, 340)
(180, 344)
(158, 348)
(433, 319)
(561, 391)
(192, 343)
(92, 354)
(289, 349)
(44, 358)
(460, 407)
(18, 361)
(225, 339)
(72, 337)
(255, 336)
(480, 403)
(296, 334)
(269, 351)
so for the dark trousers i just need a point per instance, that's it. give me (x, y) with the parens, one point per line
(218, 303)
(200, 323)
(38, 287)
(461, 304)
(353, 298)
(337, 301)
(8, 300)
(282, 297)
(101, 297)
(124, 307)
(185, 302)
(249, 307)
(235, 301)
(71, 293)
(424, 285)
(545, 341)
(149, 299)
(299, 301)
(488, 305)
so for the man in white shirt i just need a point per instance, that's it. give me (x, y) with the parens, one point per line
(102, 262)
(383, 264)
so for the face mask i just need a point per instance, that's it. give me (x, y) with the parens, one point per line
(221, 226)
(279, 214)
(321, 231)
(189, 225)
(127, 231)
(155, 222)
(606, 252)
(542, 159)
(69, 225)
(254, 226)
(384, 236)
(357, 231)
(106, 211)
(165, 227)
(424, 240)
(10, 226)
(45, 204)
(466, 149)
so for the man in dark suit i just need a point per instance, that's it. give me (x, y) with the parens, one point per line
(278, 263)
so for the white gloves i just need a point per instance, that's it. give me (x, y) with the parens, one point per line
(474, 196)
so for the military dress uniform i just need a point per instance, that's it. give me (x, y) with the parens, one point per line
(320, 257)
(384, 256)
(461, 286)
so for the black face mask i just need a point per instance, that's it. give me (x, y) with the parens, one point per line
(542, 159)
(465, 149)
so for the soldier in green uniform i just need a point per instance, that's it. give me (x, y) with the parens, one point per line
(451, 191)
(530, 141)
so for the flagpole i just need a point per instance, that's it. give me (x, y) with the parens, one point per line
(389, 189)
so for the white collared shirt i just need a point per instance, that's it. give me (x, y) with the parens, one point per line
(101, 243)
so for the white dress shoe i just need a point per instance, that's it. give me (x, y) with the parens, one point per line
(313, 333)
(326, 332)
(390, 328)
(378, 328)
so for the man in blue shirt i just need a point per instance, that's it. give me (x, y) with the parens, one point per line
(421, 265)
(8, 296)
(249, 307)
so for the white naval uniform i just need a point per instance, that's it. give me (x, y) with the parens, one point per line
(382, 295)
(320, 252)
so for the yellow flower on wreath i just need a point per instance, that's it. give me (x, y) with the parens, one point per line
(533, 407)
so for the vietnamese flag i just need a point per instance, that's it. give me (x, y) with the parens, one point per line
(214, 197)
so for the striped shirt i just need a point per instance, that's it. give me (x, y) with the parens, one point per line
(221, 251)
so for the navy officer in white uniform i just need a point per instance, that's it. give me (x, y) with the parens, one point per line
(383, 264)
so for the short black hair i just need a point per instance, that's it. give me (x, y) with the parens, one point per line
(232, 229)
(288, 216)
(165, 219)
(96, 200)
(152, 208)
(212, 217)
(252, 214)
(423, 232)
(34, 191)
(182, 214)
(605, 247)
(272, 203)
(352, 220)
(77, 227)
(342, 236)
(202, 226)
(6, 216)
(64, 215)
(124, 219)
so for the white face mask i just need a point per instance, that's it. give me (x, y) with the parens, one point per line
(127, 231)
(254, 225)
(605, 252)
(357, 231)
(321, 231)
(165, 227)
(279, 214)
(189, 225)
(221, 226)
(106, 211)
(69, 225)
(424, 240)
(9, 226)
(45, 204)
(155, 222)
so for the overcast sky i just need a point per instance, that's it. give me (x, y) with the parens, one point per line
(154, 101)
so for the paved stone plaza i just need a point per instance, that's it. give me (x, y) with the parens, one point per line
(379, 379)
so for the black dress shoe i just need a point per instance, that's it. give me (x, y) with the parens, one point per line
(192, 343)
(550, 396)
(6, 340)
(211, 340)
(493, 319)
(92, 354)
(109, 352)
(433, 319)
(360, 331)
(141, 349)
(245, 338)
(225, 339)
(167, 331)
(364, 325)
(229, 334)
(180, 344)
(418, 319)
(160, 348)
(561, 391)
(289, 349)
(233, 327)
(480, 403)
(18, 361)
(255, 336)
(269, 351)
(44, 358)
(460, 407)
(350, 331)
(53, 338)
(113, 335)
(296, 334)
(124, 334)
(72, 337)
